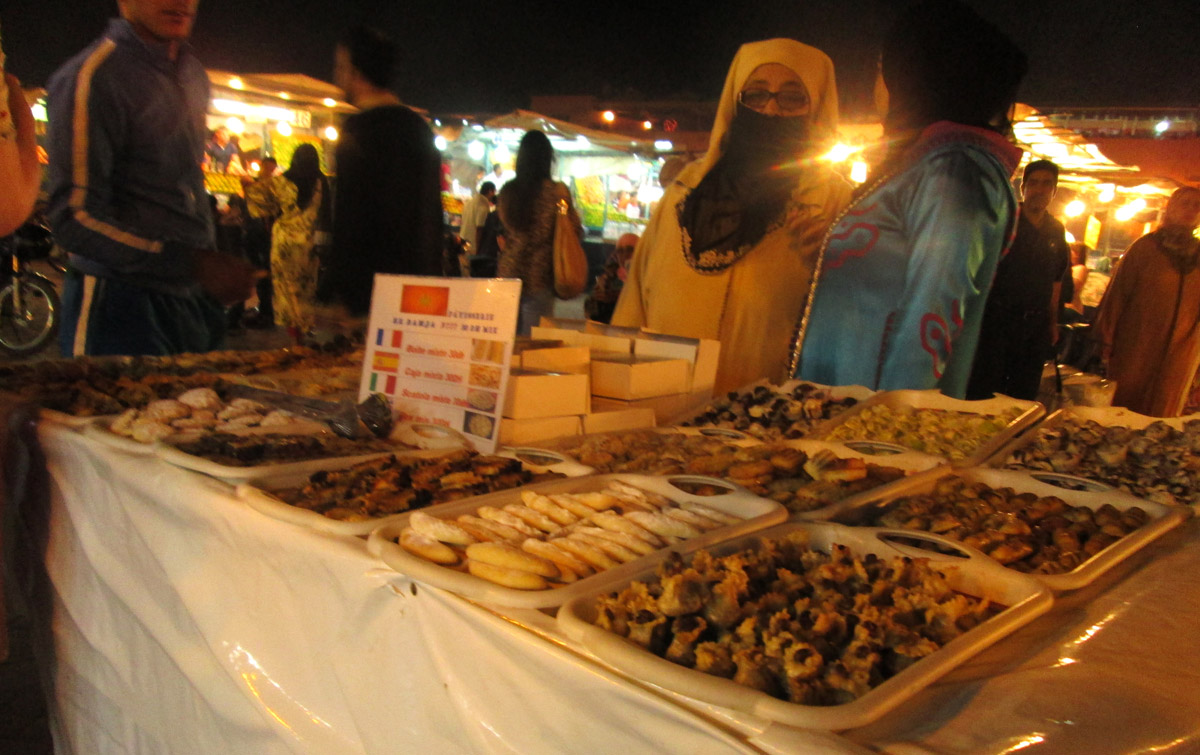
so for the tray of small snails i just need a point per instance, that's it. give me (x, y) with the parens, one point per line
(807, 624)
(352, 497)
(542, 545)
(964, 432)
(1065, 538)
(776, 412)
(1147, 457)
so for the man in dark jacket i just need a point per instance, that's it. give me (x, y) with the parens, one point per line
(388, 207)
(1020, 321)
(127, 196)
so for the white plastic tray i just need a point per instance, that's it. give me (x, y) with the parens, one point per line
(1104, 416)
(539, 460)
(758, 513)
(257, 494)
(70, 420)
(1025, 599)
(1032, 411)
(299, 470)
(1160, 518)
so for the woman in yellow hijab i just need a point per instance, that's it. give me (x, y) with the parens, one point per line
(729, 252)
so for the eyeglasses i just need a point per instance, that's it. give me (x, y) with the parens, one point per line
(789, 100)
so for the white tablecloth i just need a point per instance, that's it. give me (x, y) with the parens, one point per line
(183, 621)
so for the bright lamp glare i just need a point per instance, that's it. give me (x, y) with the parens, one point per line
(1127, 212)
(647, 125)
(840, 153)
(439, 141)
(1108, 193)
(1070, 237)
(608, 116)
(1074, 209)
(1162, 126)
(858, 172)
(284, 128)
(476, 151)
(331, 133)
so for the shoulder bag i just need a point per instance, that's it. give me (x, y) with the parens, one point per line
(570, 262)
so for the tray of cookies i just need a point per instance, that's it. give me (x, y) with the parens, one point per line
(654, 451)
(352, 498)
(1064, 537)
(1112, 447)
(964, 432)
(540, 546)
(808, 624)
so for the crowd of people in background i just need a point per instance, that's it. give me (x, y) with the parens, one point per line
(931, 275)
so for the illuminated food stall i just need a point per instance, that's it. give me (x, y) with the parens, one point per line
(270, 115)
(613, 178)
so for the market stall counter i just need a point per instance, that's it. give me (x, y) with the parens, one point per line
(183, 620)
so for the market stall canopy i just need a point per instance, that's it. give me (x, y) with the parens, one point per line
(296, 89)
(569, 137)
(1081, 161)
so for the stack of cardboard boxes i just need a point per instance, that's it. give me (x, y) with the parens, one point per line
(577, 376)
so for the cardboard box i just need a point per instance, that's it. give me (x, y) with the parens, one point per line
(533, 394)
(521, 345)
(593, 341)
(570, 359)
(665, 408)
(617, 420)
(563, 323)
(524, 432)
(701, 353)
(629, 377)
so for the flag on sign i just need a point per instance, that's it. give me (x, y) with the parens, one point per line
(381, 338)
(383, 383)
(425, 300)
(386, 361)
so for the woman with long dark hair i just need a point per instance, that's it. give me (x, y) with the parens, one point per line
(298, 201)
(528, 205)
(899, 292)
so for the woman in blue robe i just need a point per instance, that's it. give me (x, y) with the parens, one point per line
(898, 297)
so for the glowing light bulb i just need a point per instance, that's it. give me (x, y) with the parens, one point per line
(647, 125)
(440, 142)
(840, 153)
(1074, 209)
(608, 116)
(1108, 193)
(329, 102)
(284, 128)
(331, 133)
(236, 83)
(858, 172)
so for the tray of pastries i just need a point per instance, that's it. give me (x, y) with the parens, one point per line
(1065, 538)
(964, 432)
(811, 625)
(355, 498)
(540, 546)
(776, 412)
(1147, 457)
(195, 413)
(71, 390)
(805, 476)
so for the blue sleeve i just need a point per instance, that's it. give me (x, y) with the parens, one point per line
(958, 218)
(84, 145)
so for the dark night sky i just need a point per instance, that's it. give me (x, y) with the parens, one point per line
(469, 57)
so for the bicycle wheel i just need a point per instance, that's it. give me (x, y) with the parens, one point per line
(29, 330)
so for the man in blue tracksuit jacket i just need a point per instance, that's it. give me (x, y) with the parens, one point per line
(127, 196)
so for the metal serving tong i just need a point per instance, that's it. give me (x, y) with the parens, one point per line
(371, 418)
